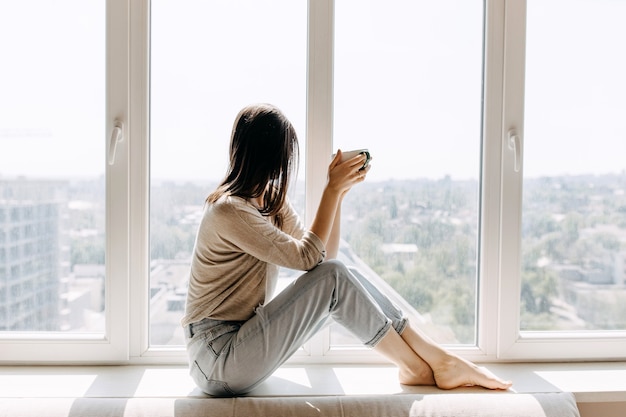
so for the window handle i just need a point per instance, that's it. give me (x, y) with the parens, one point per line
(117, 135)
(515, 145)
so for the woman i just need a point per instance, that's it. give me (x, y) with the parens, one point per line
(249, 229)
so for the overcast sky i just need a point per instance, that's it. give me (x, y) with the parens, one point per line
(407, 84)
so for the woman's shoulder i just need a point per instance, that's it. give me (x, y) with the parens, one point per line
(227, 214)
(227, 204)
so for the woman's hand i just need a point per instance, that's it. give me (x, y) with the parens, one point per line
(341, 177)
(344, 175)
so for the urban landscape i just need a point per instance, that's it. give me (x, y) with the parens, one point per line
(418, 238)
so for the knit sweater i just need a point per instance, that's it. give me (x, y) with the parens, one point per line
(236, 258)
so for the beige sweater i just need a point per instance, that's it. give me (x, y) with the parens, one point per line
(236, 258)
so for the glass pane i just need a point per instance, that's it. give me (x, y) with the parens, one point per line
(574, 203)
(408, 77)
(52, 190)
(208, 60)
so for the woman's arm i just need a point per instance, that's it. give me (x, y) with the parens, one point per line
(324, 218)
(332, 247)
(341, 177)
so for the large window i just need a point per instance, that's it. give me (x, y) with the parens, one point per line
(568, 254)
(55, 266)
(208, 60)
(399, 91)
(495, 211)
(574, 206)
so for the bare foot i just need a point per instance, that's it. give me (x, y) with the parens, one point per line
(457, 372)
(425, 377)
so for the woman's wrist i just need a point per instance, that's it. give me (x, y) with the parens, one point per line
(334, 193)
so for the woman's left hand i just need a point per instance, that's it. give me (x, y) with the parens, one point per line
(344, 175)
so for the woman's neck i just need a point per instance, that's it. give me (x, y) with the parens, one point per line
(257, 201)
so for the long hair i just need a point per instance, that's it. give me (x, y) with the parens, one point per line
(263, 156)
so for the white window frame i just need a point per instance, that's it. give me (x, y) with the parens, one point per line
(511, 343)
(127, 303)
(112, 346)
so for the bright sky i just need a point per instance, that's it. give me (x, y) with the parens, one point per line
(407, 84)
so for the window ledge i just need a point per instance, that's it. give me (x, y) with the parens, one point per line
(590, 382)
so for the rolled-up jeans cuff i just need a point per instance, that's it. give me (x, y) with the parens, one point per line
(399, 328)
(381, 333)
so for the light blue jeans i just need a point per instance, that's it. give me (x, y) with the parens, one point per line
(229, 358)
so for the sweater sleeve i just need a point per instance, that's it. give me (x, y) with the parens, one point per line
(292, 223)
(244, 227)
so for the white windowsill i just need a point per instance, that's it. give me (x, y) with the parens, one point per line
(590, 382)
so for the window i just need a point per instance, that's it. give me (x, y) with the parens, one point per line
(220, 57)
(56, 214)
(53, 99)
(572, 235)
(399, 92)
(495, 209)
(574, 208)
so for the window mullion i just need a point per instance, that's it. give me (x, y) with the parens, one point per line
(511, 137)
(319, 126)
(140, 180)
(117, 194)
(491, 173)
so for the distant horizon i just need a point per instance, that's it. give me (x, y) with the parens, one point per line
(299, 180)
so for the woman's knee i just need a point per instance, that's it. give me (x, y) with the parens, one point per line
(338, 275)
(333, 267)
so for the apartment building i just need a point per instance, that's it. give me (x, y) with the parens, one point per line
(30, 254)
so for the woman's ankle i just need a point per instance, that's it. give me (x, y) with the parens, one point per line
(422, 376)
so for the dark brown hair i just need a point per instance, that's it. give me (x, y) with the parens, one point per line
(263, 157)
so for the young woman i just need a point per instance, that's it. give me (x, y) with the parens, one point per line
(235, 340)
